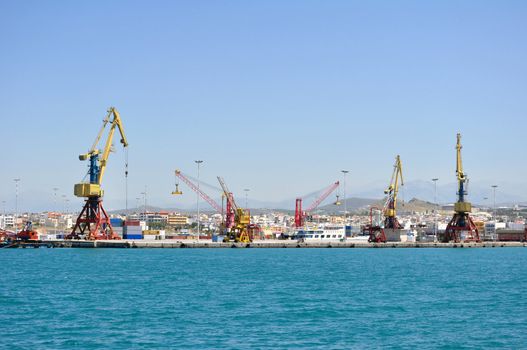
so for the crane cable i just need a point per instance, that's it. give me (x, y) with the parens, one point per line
(126, 176)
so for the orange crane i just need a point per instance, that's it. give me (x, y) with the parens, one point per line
(301, 215)
(27, 234)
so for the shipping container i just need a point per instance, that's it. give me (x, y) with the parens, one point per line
(132, 223)
(511, 235)
(218, 238)
(133, 236)
(116, 222)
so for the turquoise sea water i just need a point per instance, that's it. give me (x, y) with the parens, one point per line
(263, 298)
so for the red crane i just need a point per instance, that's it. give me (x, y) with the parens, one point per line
(300, 215)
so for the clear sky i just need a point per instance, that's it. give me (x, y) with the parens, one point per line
(275, 96)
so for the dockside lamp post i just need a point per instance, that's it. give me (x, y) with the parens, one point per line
(494, 200)
(55, 209)
(17, 180)
(198, 162)
(144, 205)
(435, 205)
(345, 172)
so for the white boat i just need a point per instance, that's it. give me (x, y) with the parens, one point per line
(328, 233)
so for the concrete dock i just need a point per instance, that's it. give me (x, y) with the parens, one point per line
(256, 244)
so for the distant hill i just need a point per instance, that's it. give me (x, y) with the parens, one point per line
(353, 204)
(416, 205)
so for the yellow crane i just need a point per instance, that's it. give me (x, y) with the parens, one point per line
(376, 226)
(238, 220)
(461, 227)
(93, 221)
(390, 207)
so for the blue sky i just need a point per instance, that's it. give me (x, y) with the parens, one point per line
(275, 96)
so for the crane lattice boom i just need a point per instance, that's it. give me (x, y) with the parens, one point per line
(323, 196)
(198, 191)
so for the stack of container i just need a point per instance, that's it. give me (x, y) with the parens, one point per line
(132, 230)
(117, 225)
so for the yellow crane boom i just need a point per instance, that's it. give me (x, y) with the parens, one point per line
(98, 159)
(390, 210)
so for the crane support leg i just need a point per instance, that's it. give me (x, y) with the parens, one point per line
(461, 229)
(377, 235)
(93, 221)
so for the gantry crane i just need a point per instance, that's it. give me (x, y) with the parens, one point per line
(238, 220)
(377, 233)
(461, 227)
(93, 221)
(301, 215)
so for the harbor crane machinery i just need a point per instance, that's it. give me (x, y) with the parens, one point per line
(195, 188)
(27, 234)
(229, 220)
(390, 208)
(301, 215)
(377, 232)
(238, 220)
(461, 227)
(93, 222)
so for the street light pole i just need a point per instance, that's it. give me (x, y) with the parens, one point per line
(56, 221)
(494, 190)
(144, 205)
(198, 162)
(17, 180)
(345, 172)
(435, 205)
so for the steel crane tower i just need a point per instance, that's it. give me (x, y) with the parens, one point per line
(93, 221)
(461, 227)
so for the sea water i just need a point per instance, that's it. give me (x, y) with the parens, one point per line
(263, 298)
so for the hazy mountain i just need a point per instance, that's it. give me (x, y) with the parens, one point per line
(446, 193)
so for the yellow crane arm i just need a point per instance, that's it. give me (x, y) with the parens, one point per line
(98, 163)
(116, 122)
(99, 135)
(399, 174)
(393, 189)
(459, 164)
